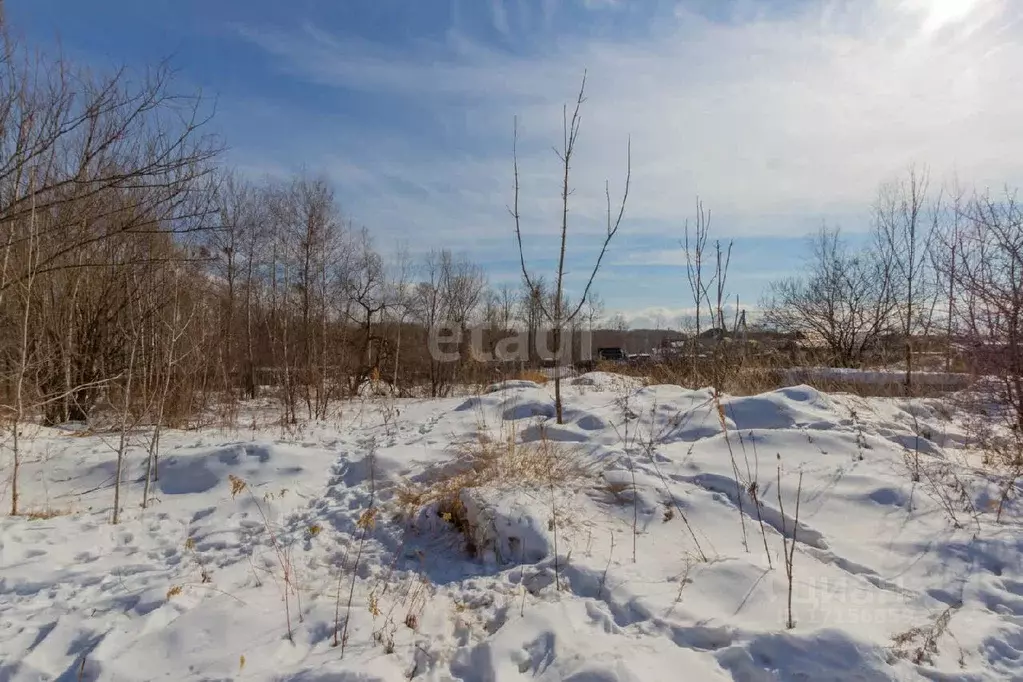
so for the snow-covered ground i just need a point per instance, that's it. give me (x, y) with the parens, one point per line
(877, 377)
(665, 568)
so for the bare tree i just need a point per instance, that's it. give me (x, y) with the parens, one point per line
(531, 314)
(126, 423)
(844, 301)
(594, 311)
(945, 256)
(253, 222)
(111, 168)
(619, 323)
(989, 275)
(327, 264)
(505, 302)
(23, 358)
(694, 245)
(278, 310)
(400, 300)
(562, 315)
(366, 288)
(428, 309)
(235, 251)
(708, 285)
(903, 231)
(448, 295)
(173, 330)
(85, 139)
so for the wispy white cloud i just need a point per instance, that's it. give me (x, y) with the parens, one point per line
(800, 114)
(778, 119)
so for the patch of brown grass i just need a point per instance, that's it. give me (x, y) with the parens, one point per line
(534, 375)
(46, 513)
(617, 490)
(502, 463)
(754, 381)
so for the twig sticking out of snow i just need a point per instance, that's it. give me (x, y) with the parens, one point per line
(789, 546)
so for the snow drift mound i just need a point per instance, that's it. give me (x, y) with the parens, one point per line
(646, 538)
(797, 406)
(605, 381)
(507, 525)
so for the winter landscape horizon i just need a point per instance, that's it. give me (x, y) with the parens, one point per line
(516, 340)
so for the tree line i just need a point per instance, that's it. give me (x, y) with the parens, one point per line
(143, 281)
(939, 273)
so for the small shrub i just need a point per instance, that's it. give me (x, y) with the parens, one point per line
(920, 644)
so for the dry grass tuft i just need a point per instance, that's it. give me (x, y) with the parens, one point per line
(46, 513)
(501, 464)
(237, 485)
(536, 376)
(920, 644)
(620, 491)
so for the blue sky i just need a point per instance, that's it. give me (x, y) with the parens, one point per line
(780, 114)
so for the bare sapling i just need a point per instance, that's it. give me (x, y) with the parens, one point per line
(632, 472)
(366, 523)
(737, 478)
(628, 445)
(125, 428)
(694, 244)
(1014, 473)
(649, 446)
(789, 545)
(705, 279)
(175, 331)
(903, 236)
(281, 552)
(559, 312)
(610, 555)
(544, 443)
(401, 304)
(753, 488)
(23, 353)
(337, 597)
(635, 507)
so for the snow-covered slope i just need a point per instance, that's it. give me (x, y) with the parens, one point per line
(665, 568)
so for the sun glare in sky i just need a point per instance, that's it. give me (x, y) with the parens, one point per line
(939, 14)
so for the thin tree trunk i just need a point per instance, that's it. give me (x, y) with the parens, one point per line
(19, 390)
(152, 463)
(123, 441)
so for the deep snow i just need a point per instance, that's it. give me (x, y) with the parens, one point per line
(886, 584)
